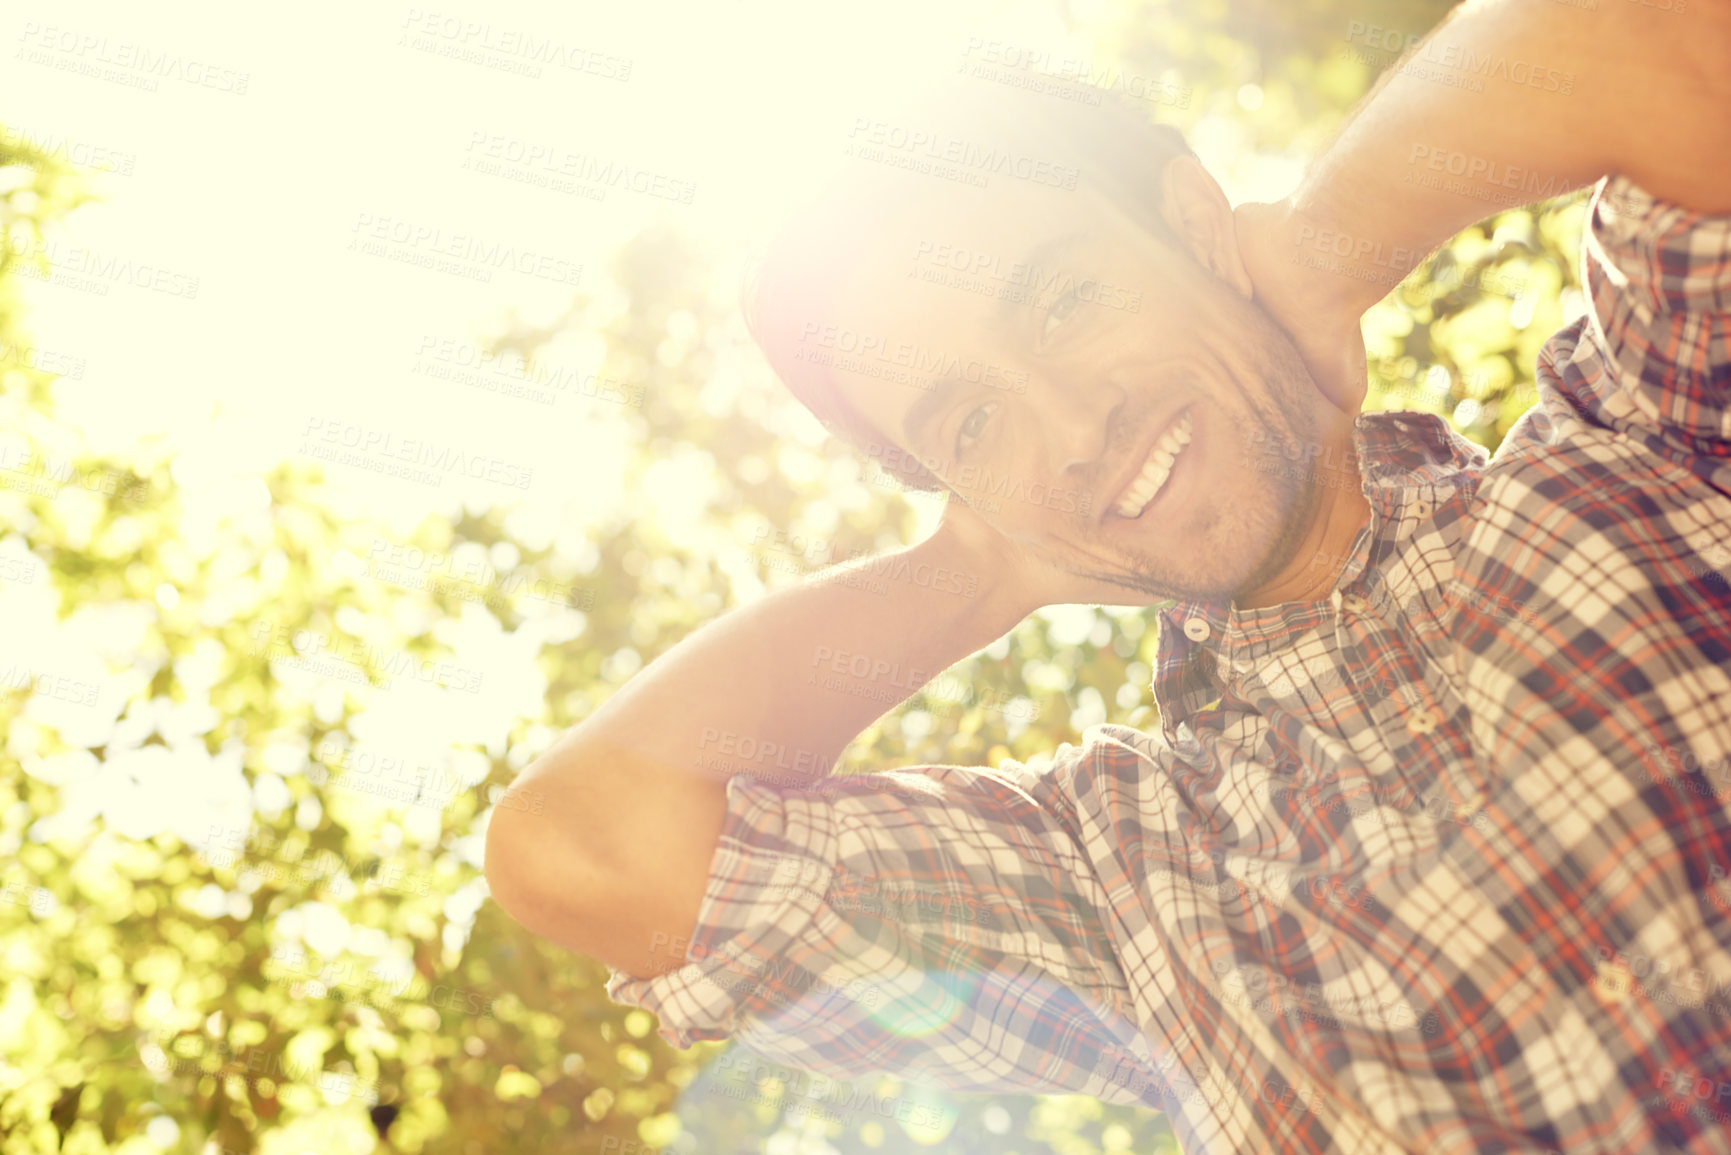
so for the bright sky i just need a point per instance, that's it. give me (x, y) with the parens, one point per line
(256, 277)
(278, 181)
(253, 154)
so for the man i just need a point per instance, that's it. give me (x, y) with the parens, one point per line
(1427, 854)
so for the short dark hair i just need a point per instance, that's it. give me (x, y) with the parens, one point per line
(1115, 147)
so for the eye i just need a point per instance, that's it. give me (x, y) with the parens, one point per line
(973, 425)
(1057, 313)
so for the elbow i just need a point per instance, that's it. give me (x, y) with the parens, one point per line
(507, 866)
(605, 864)
(536, 869)
(523, 865)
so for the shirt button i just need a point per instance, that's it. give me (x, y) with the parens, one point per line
(1421, 722)
(1469, 806)
(1357, 603)
(1613, 983)
(1196, 629)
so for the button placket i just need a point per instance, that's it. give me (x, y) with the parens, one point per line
(1469, 806)
(1613, 983)
(1422, 721)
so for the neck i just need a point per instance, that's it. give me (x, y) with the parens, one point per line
(1320, 551)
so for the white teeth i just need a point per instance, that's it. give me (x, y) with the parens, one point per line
(1158, 468)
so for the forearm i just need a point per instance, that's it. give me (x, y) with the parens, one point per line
(607, 848)
(779, 688)
(1506, 103)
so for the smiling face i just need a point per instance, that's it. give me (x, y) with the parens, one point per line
(1112, 404)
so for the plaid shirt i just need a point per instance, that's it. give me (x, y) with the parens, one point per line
(1438, 863)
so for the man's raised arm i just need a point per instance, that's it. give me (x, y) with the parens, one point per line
(1505, 102)
(605, 841)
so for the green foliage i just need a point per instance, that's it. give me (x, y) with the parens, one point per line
(153, 976)
(224, 979)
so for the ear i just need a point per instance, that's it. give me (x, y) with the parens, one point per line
(1196, 211)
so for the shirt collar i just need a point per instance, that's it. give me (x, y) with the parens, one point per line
(1409, 464)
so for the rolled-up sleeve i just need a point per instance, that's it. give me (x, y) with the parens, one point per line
(1659, 278)
(938, 923)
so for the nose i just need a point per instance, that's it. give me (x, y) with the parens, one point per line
(1079, 424)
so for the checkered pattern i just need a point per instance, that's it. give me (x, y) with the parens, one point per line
(1436, 864)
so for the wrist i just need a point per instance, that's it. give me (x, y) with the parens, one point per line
(1347, 266)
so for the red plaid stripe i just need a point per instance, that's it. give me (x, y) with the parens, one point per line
(1438, 864)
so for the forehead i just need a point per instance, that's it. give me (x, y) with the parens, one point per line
(947, 279)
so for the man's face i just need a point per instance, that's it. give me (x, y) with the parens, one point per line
(1098, 396)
